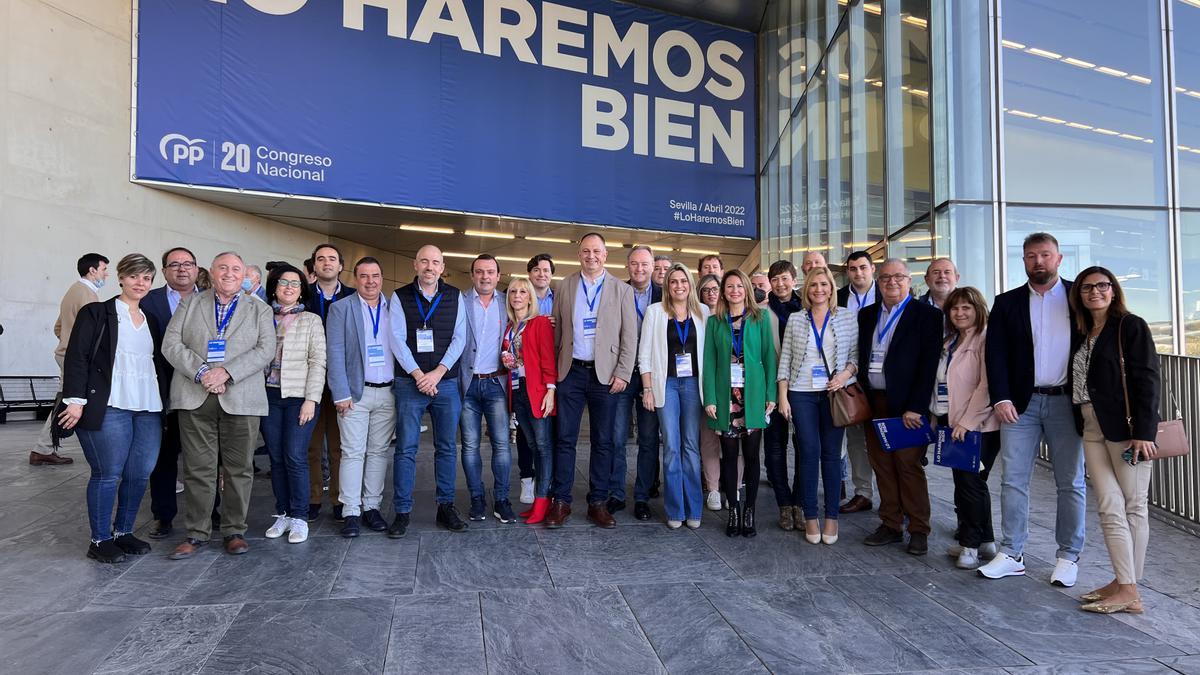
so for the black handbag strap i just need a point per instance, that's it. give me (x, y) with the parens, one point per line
(1124, 382)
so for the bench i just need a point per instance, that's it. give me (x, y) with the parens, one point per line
(27, 393)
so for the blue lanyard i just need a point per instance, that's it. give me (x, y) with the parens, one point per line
(514, 332)
(819, 334)
(426, 315)
(375, 319)
(682, 333)
(859, 298)
(891, 319)
(591, 302)
(735, 337)
(221, 325)
(322, 300)
(950, 352)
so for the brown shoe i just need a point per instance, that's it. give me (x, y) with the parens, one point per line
(53, 459)
(187, 549)
(599, 515)
(858, 503)
(557, 514)
(235, 544)
(798, 516)
(786, 522)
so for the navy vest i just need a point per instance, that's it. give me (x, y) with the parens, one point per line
(442, 323)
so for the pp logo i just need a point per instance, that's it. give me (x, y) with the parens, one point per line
(178, 148)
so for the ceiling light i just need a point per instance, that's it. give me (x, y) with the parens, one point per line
(1021, 113)
(509, 258)
(1043, 53)
(493, 235)
(549, 240)
(455, 254)
(1012, 45)
(1139, 79)
(1079, 62)
(697, 251)
(1111, 71)
(427, 228)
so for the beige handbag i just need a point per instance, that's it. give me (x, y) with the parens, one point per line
(1171, 440)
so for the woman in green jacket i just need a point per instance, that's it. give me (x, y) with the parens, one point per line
(739, 390)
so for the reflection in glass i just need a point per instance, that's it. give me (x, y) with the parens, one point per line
(913, 94)
(962, 136)
(1187, 100)
(965, 235)
(1189, 250)
(1084, 110)
(1131, 243)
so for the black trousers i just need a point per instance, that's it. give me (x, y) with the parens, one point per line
(775, 447)
(748, 446)
(971, 497)
(162, 479)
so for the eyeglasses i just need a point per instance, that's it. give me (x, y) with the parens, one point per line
(892, 278)
(288, 283)
(1102, 286)
(185, 265)
(710, 289)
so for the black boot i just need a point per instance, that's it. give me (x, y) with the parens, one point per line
(734, 527)
(748, 522)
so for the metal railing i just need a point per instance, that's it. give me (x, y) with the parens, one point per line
(1175, 482)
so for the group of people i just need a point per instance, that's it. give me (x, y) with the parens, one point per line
(722, 371)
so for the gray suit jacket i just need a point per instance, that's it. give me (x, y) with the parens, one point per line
(616, 330)
(249, 348)
(466, 362)
(345, 344)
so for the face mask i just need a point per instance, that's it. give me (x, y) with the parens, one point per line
(246, 285)
(100, 283)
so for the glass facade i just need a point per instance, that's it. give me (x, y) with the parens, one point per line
(927, 128)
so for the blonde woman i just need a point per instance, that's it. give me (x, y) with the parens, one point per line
(671, 367)
(818, 356)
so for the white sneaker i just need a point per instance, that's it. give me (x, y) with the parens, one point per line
(1003, 565)
(282, 524)
(968, 559)
(988, 550)
(955, 550)
(674, 524)
(1065, 572)
(693, 524)
(299, 531)
(526, 490)
(713, 502)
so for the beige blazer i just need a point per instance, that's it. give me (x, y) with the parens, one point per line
(616, 328)
(302, 368)
(78, 295)
(249, 348)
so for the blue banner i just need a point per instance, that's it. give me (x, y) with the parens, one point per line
(586, 111)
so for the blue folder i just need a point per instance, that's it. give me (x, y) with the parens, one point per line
(963, 455)
(893, 435)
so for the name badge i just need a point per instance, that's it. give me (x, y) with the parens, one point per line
(375, 356)
(216, 351)
(424, 340)
(820, 378)
(683, 365)
(737, 375)
(876, 365)
(515, 378)
(589, 327)
(943, 393)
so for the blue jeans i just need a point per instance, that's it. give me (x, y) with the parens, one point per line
(538, 434)
(486, 399)
(820, 449)
(680, 419)
(578, 389)
(444, 409)
(123, 450)
(647, 440)
(1049, 418)
(287, 445)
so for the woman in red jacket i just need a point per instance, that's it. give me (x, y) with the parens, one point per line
(528, 354)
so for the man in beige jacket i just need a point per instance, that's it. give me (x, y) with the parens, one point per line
(219, 342)
(93, 270)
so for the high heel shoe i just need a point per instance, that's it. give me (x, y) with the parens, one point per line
(538, 513)
(734, 526)
(1101, 607)
(748, 529)
(829, 539)
(812, 538)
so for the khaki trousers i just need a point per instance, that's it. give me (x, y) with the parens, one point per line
(1122, 498)
(213, 438)
(903, 490)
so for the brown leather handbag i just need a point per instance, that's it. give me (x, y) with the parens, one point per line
(1172, 439)
(849, 405)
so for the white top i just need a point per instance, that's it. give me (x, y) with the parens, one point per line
(855, 302)
(1050, 320)
(812, 358)
(134, 381)
(652, 349)
(387, 371)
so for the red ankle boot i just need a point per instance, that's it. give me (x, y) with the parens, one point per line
(538, 513)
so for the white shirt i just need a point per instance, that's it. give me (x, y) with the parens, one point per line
(90, 284)
(134, 381)
(855, 302)
(386, 372)
(173, 299)
(1050, 321)
(489, 329)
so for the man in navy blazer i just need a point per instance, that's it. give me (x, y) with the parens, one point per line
(179, 271)
(900, 341)
(1030, 339)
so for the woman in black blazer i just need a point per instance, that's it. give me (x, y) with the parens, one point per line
(110, 386)
(1117, 445)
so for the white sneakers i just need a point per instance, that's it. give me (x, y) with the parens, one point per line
(968, 559)
(987, 551)
(298, 533)
(1064, 574)
(297, 529)
(1003, 565)
(693, 524)
(526, 490)
(674, 524)
(282, 524)
(713, 501)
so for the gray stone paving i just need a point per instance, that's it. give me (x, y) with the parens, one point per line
(511, 598)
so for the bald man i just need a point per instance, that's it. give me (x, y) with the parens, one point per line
(941, 277)
(811, 260)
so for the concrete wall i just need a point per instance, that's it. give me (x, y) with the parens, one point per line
(64, 175)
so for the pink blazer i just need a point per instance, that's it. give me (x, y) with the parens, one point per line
(967, 380)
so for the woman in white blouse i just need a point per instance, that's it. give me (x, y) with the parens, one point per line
(110, 386)
(819, 355)
(669, 358)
